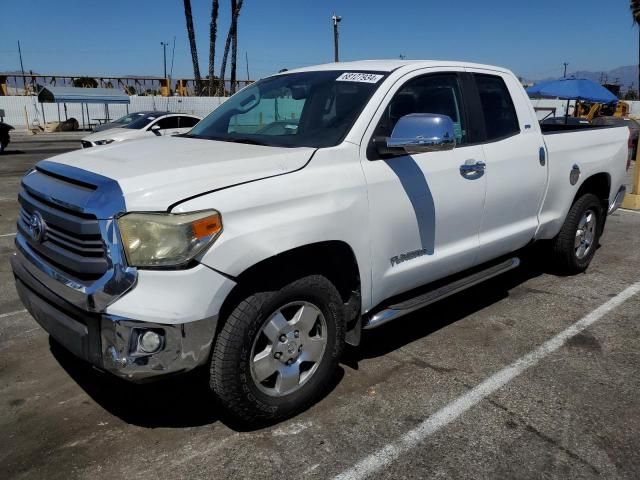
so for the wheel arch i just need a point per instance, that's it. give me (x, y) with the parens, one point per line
(599, 184)
(334, 259)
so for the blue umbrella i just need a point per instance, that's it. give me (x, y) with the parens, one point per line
(573, 89)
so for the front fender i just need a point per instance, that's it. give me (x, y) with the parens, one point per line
(325, 201)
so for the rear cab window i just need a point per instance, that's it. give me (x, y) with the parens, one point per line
(500, 118)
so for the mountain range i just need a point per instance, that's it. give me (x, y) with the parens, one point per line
(624, 76)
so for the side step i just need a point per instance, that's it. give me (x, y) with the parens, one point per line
(403, 308)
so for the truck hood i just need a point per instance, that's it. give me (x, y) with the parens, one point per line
(158, 172)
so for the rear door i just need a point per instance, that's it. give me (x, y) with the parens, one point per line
(425, 211)
(516, 171)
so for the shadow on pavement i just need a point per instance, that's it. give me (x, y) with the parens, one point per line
(174, 402)
(394, 335)
(186, 401)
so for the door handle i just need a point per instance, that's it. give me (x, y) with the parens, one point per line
(477, 167)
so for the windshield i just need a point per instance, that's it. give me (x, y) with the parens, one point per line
(307, 109)
(127, 118)
(143, 121)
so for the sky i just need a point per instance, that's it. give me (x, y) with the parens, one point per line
(121, 37)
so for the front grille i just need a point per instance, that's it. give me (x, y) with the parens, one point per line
(71, 241)
(85, 144)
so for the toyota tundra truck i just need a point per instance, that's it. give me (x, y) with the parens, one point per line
(309, 206)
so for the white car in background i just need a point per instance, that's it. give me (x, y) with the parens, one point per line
(153, 123)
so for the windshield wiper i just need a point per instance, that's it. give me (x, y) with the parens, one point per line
(246, 140)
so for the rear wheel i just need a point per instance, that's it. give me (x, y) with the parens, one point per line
(574, 247)
(277, 351)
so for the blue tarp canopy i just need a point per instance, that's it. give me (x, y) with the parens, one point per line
(573, 89)
(82, 95)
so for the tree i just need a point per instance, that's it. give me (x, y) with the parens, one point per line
(84, 82)
(635, 10)
(234, 47)
(634, 5)
(236, 5)
(213, 32)
(192, 43)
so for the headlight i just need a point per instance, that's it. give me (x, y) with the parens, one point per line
(103, 142)
(165, 239)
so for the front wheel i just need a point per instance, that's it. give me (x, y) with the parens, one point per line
(574, 247)
(277, 351)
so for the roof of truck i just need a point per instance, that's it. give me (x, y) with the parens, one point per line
(391, 65)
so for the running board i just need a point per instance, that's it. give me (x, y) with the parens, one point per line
(403, 308)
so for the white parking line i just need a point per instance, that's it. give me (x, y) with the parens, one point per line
(387, 454)
(8, 235)
(10, 314)
(626, 210)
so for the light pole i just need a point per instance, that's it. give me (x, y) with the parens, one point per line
(164, 56)
(336, 20)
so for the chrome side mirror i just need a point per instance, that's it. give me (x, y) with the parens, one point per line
(423, 132)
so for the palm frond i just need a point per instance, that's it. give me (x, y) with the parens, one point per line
(634, 5)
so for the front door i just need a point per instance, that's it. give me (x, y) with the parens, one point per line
(425, 210)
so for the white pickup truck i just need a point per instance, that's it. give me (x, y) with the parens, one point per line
(309, 206)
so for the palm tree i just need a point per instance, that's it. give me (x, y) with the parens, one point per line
(634, 5)
(236, 5)
(234, 48)
(213, 32)
(635, 10)
(192, 43)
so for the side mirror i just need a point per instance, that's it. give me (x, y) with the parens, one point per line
(423, 132)
(155, 127)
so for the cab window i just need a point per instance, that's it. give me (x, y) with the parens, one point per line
(500, 117)
(188, 122)
(436, 93)
(167, 122)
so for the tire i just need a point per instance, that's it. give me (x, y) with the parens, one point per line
(566, 253)
(236, 373)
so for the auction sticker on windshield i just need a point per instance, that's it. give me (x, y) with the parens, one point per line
(359, 77)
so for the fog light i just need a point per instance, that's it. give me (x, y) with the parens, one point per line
(149, 342)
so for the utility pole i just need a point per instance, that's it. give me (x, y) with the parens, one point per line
(173, 55)
(246, 59)
(24, 80)
(336, 20)
(565, 69)
(164, 56)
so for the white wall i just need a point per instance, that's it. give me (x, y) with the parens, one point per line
(201, 106)
(14, 106)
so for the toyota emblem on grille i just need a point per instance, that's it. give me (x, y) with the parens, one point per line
(36, 227)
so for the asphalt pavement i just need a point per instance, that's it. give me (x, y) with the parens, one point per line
(529, 375)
